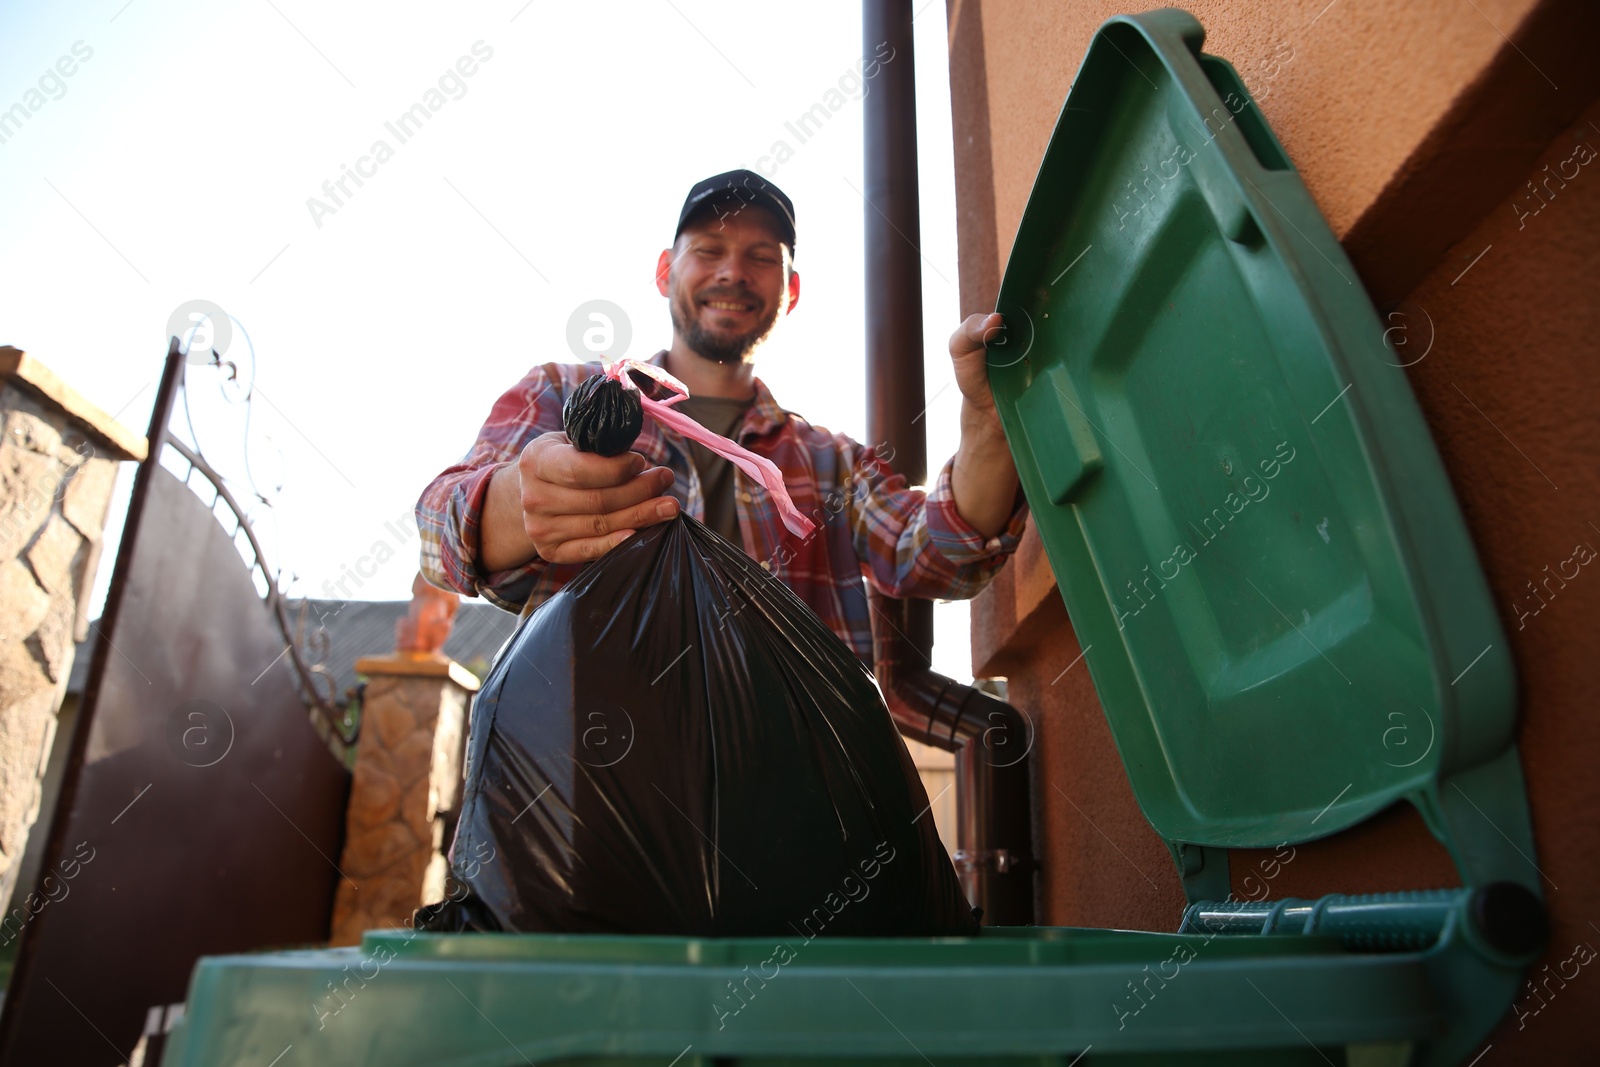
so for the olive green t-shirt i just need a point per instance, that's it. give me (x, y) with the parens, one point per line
(722, 416)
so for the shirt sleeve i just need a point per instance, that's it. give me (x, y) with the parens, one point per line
(913, 543)
(450, 510)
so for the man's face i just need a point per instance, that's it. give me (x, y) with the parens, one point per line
(726, 281)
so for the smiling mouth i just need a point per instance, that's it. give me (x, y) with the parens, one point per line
(729, 307)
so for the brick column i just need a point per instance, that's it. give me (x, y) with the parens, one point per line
(407, 774)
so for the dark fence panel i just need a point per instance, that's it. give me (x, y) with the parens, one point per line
(202, 812)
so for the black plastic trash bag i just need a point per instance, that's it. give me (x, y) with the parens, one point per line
(675, 744)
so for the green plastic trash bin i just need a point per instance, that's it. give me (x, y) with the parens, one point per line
(1263, 560)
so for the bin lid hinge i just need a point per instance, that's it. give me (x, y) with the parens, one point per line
(1204, 870)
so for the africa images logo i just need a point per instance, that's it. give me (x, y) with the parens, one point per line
(52, 81)
(405, 126)
(1213, 527)
(852, 888)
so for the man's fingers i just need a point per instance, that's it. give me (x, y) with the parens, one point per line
(592, 536)
(551, 498)
(577, 506)
(991, 329)
(648, 513)
(975, 332)
(984, 329)
(567, 538)
(566, 466)
(586, 549)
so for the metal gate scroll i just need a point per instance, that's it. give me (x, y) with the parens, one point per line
(202, 808)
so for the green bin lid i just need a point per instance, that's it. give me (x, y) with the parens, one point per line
(1256, 541)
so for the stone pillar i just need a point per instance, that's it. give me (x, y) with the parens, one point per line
(58, 462)
(407, 774)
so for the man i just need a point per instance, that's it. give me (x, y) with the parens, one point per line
(519, 516)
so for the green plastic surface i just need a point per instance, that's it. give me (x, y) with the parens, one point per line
(1010, 996)
(1258, 546)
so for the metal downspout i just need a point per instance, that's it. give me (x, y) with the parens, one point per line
(991, 738)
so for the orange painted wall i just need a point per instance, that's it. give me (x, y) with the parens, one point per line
(1415, 126)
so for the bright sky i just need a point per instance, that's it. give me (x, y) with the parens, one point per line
(174, 163)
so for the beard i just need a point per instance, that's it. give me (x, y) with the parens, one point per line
(716, 346)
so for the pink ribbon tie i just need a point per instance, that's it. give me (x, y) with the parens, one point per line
(760, 468)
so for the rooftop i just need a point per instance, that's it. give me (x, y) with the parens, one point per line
(357, 628)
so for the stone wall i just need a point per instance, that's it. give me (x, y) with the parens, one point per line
(407, 777)
(58, 463)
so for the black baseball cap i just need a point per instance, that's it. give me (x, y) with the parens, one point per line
(741, 188)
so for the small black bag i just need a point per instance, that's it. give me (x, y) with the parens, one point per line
(675, 744)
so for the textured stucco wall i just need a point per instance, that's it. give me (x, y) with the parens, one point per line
(1511, 392)
(1355, 94)
(1415, 126)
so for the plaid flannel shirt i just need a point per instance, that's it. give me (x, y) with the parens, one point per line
(870, 523)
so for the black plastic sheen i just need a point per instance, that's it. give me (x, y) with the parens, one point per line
(675, 744)
(602, 416)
